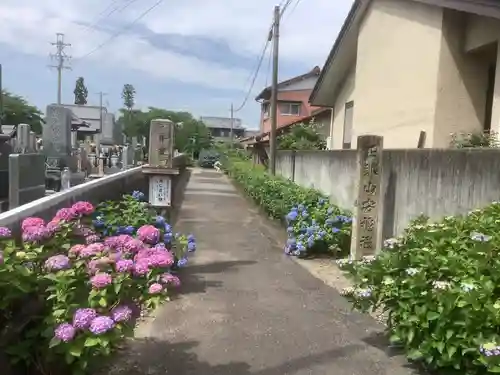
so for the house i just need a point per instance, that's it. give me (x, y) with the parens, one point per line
(293, 100)
(400, 67)
(220, 127)
(90, 115)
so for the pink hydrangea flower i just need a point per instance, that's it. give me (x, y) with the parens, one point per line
(83, 208)
(155, 288)
(170, 279)
(92, 249)
(134, 245)
(66, 214)
(32, 222)
(124, 265)
(141, 267)
(57, 263)
(35, 234)
(148, 234)
(101, 280)
(93, 238)
(76, 249)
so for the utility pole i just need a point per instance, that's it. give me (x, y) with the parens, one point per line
(101, 119)
(60, 58)
(274, 90)
(1, 100)
(232, 124)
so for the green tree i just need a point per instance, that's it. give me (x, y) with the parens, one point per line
(128, 96)
(191, 135)
(80, 92)
(18, 111)
(303, 136)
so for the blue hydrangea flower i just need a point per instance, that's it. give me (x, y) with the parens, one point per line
(191, 238)
(168, 228)
(160, 220)
(129, 229)
(98, 223)
(191, 246)
(182, 262)
(292, 215)
(138, 195)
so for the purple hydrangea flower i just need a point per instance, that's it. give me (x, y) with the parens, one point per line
(65, 332)
(101, 324)
(191, 246)
(155, 288)
(101, 280)
(34, 234)
(83, 317)
(5, 232)
(121, 313)
(124, 265)
(57, 263)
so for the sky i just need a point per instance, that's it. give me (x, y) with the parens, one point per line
(191, 55)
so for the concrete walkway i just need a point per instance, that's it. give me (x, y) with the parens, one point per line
(246, 309)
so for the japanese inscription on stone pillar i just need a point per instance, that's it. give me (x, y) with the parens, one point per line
(161, 143)
(366, 220)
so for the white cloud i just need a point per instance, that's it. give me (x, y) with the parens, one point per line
(307, 34)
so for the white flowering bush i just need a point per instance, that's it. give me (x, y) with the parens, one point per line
(439, 284)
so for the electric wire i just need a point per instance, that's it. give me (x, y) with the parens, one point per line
(119, 32)
(284, 5)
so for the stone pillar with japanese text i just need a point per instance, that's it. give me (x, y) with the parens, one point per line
(159, 168)
(161, 143)
(366, 225)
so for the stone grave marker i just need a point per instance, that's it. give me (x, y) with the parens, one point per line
(56, 136)
(161, 143)
(26, 178)
(366, 228)
(23, 139)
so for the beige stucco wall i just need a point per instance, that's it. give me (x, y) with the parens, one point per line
(462, 83)
(480, 31)
(346, 95)
(397, 72)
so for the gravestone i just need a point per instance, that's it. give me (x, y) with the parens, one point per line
(108, 123)
(26, 178)
(33, 144)
(161, 143)
(23, 139)
(56, 136)
(366, 228)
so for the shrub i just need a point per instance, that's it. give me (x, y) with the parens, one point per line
(440, 286)
(70, 294)
(314, 225)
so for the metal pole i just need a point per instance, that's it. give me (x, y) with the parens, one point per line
(232, 124)
(274, 91)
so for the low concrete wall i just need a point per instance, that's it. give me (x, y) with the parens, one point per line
(96, 191)
(433, 182)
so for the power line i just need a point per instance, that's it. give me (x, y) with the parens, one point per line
(110, 11)
(60, 58)
(284, 4)
(119, 32)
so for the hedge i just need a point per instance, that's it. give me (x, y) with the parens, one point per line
(314, 224)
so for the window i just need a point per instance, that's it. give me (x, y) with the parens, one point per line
(290, 109)
(349, 108)
(265, 109)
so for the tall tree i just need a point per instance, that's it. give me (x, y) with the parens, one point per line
(128, 96)
(18, 111)
(80, 92)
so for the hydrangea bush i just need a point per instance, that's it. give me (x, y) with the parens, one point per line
(314, 225)
(318, 227)
(88, 273)
(439, 284)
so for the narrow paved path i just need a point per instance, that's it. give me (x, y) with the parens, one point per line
(246, 309)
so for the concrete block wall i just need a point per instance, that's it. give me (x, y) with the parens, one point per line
(434, 182)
